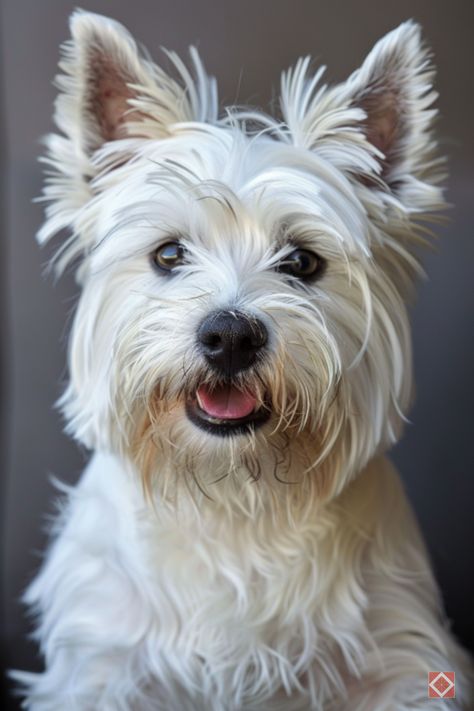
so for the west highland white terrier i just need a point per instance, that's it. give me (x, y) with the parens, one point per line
(239, 364)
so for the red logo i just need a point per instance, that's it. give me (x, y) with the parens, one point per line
(441, 685)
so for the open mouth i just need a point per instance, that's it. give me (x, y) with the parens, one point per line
(226, 410)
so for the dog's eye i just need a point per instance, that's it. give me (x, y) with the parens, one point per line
(302, 263)
(168, 256)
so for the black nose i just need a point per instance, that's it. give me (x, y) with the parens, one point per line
(230, 340)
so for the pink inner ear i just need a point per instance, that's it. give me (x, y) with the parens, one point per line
(382, 123)
(109, 99)
(113, 106)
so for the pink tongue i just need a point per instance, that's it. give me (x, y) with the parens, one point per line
(226, 402)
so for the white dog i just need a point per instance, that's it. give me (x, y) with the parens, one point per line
(239, 363)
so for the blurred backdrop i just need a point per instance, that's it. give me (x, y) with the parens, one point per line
(245, 43)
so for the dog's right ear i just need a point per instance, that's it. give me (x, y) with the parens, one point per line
(109, 94)
(109, 91)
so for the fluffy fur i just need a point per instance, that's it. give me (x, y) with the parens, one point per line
(280, 568)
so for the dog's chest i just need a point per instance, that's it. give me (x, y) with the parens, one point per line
(239, 609)
(249, 602)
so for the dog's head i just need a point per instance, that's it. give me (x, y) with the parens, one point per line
(244, 278)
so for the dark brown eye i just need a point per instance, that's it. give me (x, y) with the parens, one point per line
(302, 263)
(168, 256)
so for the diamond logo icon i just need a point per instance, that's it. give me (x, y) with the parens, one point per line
(441, 685)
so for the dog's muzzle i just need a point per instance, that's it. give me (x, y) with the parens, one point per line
(230, 342)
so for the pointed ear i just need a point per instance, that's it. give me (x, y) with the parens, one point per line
(394, 89)
(109, 91)
(100, 67)
(386, 103)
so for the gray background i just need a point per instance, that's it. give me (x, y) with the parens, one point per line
(245, 44)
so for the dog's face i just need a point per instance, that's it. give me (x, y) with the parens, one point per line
(243, 279)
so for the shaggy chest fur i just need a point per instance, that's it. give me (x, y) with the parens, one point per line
(242, 610)
(171, 609)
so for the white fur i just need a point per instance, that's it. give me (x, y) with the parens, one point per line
(283, 568)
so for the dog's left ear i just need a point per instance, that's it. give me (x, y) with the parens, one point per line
(384, 108)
